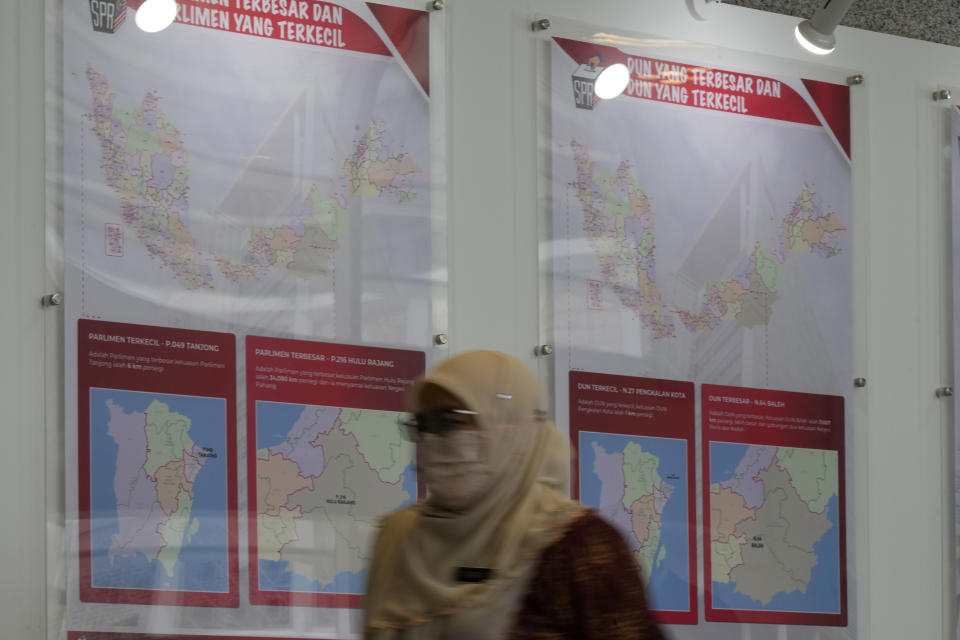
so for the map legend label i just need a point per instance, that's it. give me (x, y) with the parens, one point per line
(633, 441)
(774, 508)
(326, 458)
(157, 465)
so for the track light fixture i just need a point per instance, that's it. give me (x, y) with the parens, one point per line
(816, 34)
(702, 9)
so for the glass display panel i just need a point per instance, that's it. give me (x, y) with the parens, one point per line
(697, 262)
(252, 236)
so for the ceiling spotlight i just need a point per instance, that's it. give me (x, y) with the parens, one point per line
(816, 34)
(155, 15)
(702, 9)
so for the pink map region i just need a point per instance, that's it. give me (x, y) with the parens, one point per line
(609, 468)
(138, 512)
(744, 480)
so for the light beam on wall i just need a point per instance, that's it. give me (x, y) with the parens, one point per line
(816, 34)
(154, 15)
(612, 81)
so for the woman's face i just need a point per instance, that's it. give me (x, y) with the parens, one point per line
(441, 412)
(452, 450)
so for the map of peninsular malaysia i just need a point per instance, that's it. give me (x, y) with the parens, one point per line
(159, 501)
(774, 534)
(620, 224)
(148, 167)
(639, 484)
(324, 477)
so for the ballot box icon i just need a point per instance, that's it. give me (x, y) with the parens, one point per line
(106, 16)
(584, 83)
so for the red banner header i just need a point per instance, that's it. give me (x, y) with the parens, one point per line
(303, 21)
(718, 89)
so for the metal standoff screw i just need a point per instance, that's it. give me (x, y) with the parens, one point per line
(540, 25)
(855, 79)
(440, 338)
(859, 382)
(544, 350)
(52, 300)
(945, 392)
(436, 5)
(942, 94)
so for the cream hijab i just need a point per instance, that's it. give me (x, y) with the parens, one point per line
(419, 549)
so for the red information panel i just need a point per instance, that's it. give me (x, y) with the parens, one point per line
(774, 508)
(326, 458)
(157, 465)
(633, 441)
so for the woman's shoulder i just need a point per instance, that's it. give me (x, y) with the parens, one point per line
(590, 540)
(399, 520)
(590, 526)
(400, 515)
(587, 585)
(392, 529)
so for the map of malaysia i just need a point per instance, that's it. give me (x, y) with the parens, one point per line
(324, 476)
(639, 484)
(147, 165)
(619, 222)
(621, 227)
(774, 535)
(159, 492)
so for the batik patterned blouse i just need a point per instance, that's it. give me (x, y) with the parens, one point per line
(587, 587)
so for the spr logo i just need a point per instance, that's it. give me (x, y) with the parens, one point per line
(107, 16)
(584, 83)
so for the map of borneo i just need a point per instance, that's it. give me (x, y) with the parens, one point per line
(325, 484)
(767, 518)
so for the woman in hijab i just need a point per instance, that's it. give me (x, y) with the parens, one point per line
(497, 550)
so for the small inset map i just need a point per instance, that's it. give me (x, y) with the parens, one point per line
(774, 535)
(639, 484)
(324, 477)
(159, 500)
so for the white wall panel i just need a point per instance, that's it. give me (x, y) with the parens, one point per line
(23, 476)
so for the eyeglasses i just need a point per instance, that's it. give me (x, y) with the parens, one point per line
(438, 422)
